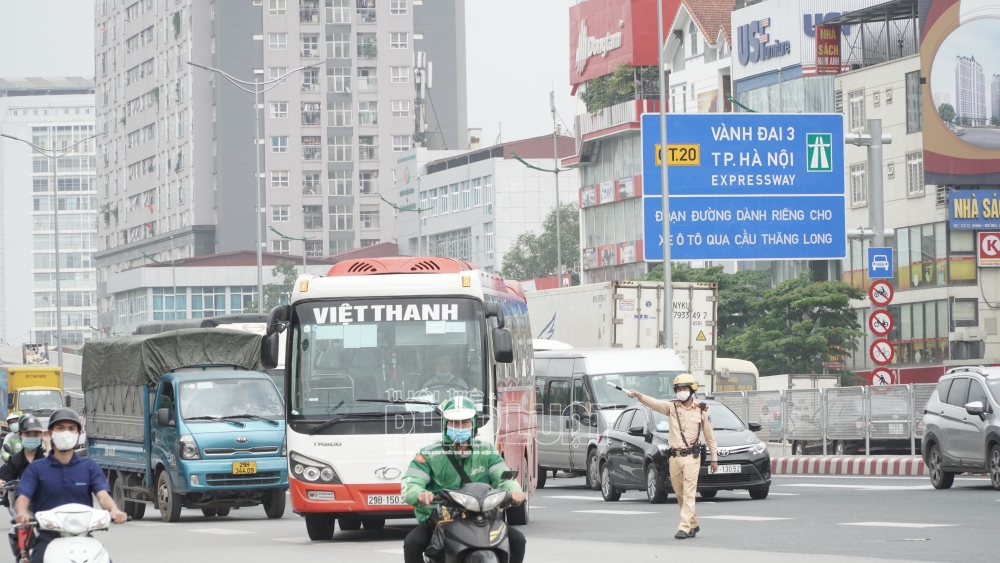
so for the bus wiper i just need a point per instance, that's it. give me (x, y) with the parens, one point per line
(399, 402)
(250, 416)
(341, 417)
(603, 407)
(217, 419)
(328, 423)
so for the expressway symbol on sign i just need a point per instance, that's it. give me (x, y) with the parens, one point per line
(881, 293)
(881, 351)
(880, 322)
(882, 376)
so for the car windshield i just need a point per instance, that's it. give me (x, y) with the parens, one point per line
(230, 397)
(722, 419)
(656, 384)
(32, 401)
(350, 358)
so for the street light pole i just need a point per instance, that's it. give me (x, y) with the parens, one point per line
(54, 155)
(259, 88)
(555, 166)
(668, 297)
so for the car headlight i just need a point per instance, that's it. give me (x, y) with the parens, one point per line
(493, 500)
(308, 469)
(189, 448)
(758, 448)
(468, 502)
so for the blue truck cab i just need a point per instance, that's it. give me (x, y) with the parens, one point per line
(207, 432)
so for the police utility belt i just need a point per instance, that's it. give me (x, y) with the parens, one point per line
(698, 450)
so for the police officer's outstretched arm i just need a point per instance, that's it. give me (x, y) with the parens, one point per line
(496, 468)
(663, 407)
(416, 480)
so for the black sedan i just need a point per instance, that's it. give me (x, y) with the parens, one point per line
(633, 454)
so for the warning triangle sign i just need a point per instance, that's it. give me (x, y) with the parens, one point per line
(701, 336)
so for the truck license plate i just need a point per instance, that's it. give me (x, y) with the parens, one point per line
(386, 500)
(244, 467)
(729, 469)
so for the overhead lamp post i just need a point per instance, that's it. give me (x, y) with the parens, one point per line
(54, 155)
(668, 298)
(257, 88)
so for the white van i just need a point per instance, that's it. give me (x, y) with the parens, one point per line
(575, 404)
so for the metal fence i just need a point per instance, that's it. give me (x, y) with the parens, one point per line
(836, 419)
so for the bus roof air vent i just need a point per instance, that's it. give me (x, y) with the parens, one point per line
(399, 265)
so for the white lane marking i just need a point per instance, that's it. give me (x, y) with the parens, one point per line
(613, 512)
(220, 531)
(301, 541)
(744, 518)
(392, 551)
(783, 494)
(150, 524)
(571, 497)
(863, 487)
(896, 524)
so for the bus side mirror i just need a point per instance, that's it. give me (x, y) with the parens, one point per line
(495, 310)
(503, 346)
(269, 350)
(278, 318)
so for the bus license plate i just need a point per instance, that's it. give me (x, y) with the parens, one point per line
(729, 469)
(244, 467)
(386, 500)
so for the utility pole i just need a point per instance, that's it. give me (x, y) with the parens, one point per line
(668, 294)
(555, 166)
(873, 139)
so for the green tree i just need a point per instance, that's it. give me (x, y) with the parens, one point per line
(947, 112)
(534, 256)
(739, 294)
(277, 293)
(801, 324)
(620, 86)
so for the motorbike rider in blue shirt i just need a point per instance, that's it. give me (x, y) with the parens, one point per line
(62, 478)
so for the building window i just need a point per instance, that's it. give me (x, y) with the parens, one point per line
(397, 7)
(961, 257)
(455, 244)
(488, 188)
(477, 192)
(311, 112)
(312, 217)
(367, 79)
(488, 229)
(467, 195)
(432, 199)
(693, 40)
(338, 246)
(367, 47)
(338, 79)
(312, 147)
(400, 74)
(311, 183)
(340, 148)
(915, 173)
(399, 40)
(341, 218)
(279, 178)
(310, 80)
(276, 7)
(369, 217)
(279, 144)
(340, 182)
(914, 113)
(453, 200)
(314, 248)
(366, 11)
(400, 143)
(401, 108)
(279, 213)
(368, 182)
(443, 200)
(277, 41)
(281, 246)
(240, 298)
(276, 72)
(338, 45)
(965, 312)
(339, 114)
(279, 110)
(369, 242)
(309, 45)
(859, 185)
(367, 113)
(168, 305)
(338, 11)
(208, 302)
(856, 105)
(368, 147)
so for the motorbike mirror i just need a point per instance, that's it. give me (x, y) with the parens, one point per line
(755, 427)
(508, 475)
(163, 417)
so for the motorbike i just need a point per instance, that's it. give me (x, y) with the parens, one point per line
(18, 538)
(469, 526)
(73, 522)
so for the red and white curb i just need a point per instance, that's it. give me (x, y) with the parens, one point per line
(848, 465)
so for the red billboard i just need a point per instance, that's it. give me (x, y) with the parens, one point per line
(606, 33)
(827, 49)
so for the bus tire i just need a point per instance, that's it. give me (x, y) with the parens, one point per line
(373, 523)
(541, 474)
(350, 523)
(518, 515)
(320, 526)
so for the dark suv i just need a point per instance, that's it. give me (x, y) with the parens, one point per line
(962, 427)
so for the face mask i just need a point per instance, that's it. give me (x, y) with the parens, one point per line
(459, 436)
(31, 444)
(65, 441)
(14, 427)
(683, 395)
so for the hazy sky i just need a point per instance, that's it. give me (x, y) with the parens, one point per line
(517, 50)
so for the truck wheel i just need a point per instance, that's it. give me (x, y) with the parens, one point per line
(126, 506)
(350, 523)
(274, 503)
(169, 501)
(320, 526)
(224, 511)
(210, 512)
(139, 510)
(373, 523)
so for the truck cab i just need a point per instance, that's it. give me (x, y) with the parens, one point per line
(32, 389)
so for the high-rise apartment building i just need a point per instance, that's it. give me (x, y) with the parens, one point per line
(49, 112)
(970, 90)
(177, 166)
(995, 97)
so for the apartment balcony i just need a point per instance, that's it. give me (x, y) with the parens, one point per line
(367, 118)
(367, 84)
(310, 87)
(367, 152)
(612, 120)
(367, 49)
(312, 152)
(309, 13)
(312, 118)
(309, 52)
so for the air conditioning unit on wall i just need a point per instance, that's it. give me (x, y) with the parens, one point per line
(967, 334)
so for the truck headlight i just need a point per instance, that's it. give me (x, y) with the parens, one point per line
(189, 448)
(308, 469)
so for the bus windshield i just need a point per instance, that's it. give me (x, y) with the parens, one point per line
(418, 349)
(732, 381)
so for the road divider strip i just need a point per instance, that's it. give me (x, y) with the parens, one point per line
(848, 465)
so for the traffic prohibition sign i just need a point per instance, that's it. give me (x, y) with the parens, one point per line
(881, 293)
(880, 322)
(881, 351)
(882, 376)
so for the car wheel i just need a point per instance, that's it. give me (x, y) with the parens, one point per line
(799, 448)
(708, 494)
(608, 490)
(840, 447)
(169, 501)
(759, 494)
(542, 474)
(210, 512)
(350, 523)
(274, 503)
(593, 471)
(995, 467)
(940, 478)
(655, 493)
(320, 526)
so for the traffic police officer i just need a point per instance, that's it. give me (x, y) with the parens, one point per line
(684, 439)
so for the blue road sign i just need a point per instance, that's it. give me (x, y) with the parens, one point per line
(747, 228)
(750, 186)
(880, 263)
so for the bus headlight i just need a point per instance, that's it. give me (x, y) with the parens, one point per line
(308, 469)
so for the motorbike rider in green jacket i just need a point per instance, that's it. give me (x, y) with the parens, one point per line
(431, 472)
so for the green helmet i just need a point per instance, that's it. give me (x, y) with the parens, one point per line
(458, 408)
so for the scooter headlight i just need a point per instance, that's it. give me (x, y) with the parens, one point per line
(468, 502)
(494, 499)
(76, 523)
